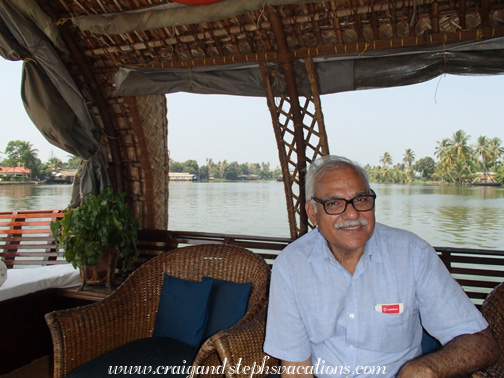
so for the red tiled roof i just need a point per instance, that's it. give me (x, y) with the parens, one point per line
(23, 170)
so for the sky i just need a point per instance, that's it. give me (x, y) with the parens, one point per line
(360, 125)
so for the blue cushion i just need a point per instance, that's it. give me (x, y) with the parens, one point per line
(429, 343)
(153, 352)
(228, 303)
(183, 310)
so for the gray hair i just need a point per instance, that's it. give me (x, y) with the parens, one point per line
(326, 164)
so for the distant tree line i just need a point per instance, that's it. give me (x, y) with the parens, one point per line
(22, 154)
(459, 162)
(224, 170)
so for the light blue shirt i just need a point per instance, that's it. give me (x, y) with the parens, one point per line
(318, 309)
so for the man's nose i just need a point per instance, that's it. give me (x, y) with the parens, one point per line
(350, 212)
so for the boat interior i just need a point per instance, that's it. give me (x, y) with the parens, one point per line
(96, 73)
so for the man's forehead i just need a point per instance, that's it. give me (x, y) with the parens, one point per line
(343, 175)
(341, 182)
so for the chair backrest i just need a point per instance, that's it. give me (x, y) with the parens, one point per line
(218, 261)
(224, 262)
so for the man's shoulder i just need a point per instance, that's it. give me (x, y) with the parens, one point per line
(302, 246)
(398, 240)
(393, 233)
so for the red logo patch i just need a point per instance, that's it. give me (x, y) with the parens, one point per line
(390, 309)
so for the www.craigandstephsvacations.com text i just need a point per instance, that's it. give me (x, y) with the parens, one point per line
(318, 369)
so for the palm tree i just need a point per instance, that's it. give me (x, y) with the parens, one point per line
(441, 151)
(483, 153)
(409, 157)
(496, 150)
(448, 163)
(21, 153)
(55, 163)
(386, 159)
(460, 149)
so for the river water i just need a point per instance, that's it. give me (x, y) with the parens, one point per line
(448, 216)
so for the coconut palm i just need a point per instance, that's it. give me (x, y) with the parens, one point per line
(460, 148)
(409, 157)
(55, 163)
(449, 164)
(483, 153)
(441, 151)
(386, 159)
(22, 153)
(497, 151)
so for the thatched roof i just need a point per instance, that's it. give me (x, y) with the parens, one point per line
(96, 71)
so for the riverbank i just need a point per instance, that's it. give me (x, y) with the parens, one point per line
(18, 183)
(34, 183)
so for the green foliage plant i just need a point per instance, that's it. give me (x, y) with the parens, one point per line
(104, 221)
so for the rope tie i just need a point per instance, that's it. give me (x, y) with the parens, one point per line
(366, 46)
(32, 58)
(27, 60)
(102, 143)
(62, 21)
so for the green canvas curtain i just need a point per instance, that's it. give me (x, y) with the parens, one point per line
(50, 96)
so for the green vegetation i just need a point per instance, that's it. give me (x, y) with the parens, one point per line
(22, 154)
(225, 171)
(458, 162)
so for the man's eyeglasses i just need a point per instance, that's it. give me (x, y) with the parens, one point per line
(361, 203)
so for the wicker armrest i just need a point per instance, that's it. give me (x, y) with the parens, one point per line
(242, 346)
(83, 333)
(479, 374)
(493, 311)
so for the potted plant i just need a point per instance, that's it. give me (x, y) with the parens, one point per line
(98, 235)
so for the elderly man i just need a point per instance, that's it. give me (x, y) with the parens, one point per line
(352, 297)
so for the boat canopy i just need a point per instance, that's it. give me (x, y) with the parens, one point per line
(95, 73)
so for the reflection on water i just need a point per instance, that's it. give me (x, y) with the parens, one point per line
(34, 197)
(468, 217)
(247, 208)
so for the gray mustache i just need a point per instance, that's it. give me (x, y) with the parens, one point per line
(351, 223)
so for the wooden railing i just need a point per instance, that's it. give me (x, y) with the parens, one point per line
(26, 240)
(478, 271)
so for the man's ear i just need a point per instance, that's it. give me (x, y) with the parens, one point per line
(310, 211)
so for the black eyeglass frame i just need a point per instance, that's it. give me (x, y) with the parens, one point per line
(323, 202)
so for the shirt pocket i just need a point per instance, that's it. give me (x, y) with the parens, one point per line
(389, 333)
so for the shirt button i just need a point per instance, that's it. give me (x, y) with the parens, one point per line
(351, 346)
(351, 316)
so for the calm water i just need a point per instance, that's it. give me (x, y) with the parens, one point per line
(469, 217)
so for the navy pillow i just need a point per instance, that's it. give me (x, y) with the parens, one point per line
(183, 310)
(228, 304)
(429, 343)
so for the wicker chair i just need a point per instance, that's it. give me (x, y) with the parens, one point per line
(493, 311)
(83, 333)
